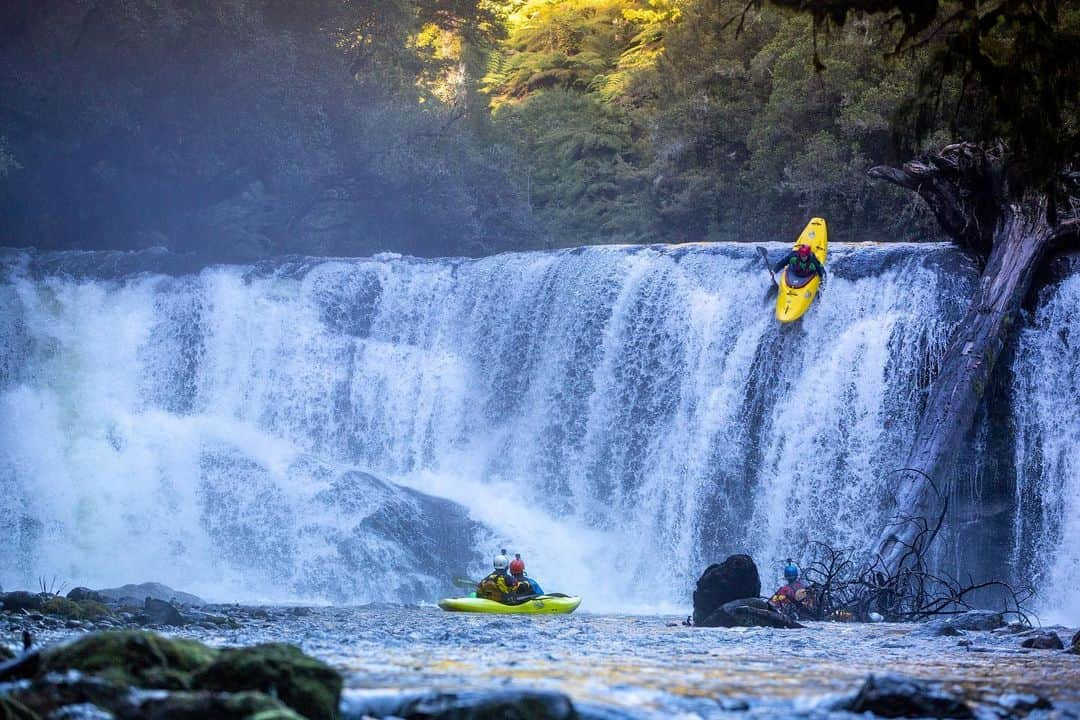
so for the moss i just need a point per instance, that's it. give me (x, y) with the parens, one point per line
(12, 710)
(139, 658)
(92, 609)
(199, 705)
(63, 607)
(305, 684)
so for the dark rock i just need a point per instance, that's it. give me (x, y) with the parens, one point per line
(1047, 640)
(894, 696)
(6, 653)
(519, 705)
(11, 709)
(22, 600)
(21, 667)
(136, 595)
(735, 578)
(53, 691)
(81, 593)
(159, 612)
(305, 684)
(747, 612)
(1017, 703)
(973, 620)
(138, 658)
(200, 705)
(1075, 644)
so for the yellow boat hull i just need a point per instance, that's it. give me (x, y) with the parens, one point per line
(540, 605)
(793, 302)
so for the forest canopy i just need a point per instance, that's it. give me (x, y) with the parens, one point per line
(242, 128)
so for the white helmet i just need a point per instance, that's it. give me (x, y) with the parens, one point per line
(501, 562)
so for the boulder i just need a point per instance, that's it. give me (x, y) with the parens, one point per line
(74, 610)
(894, 696)
(159, 612)
(139, 658)
(734, 579)
(973, 620)
(22, 600)
(1075, 644)
(305, 684)
(200, 705)
(136, 595)
(524, 704)
(1045, 640)
(6, 653)
(747, 612)
(81, 593)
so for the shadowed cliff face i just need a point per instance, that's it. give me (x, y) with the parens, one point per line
(235, 129)
(634, 405)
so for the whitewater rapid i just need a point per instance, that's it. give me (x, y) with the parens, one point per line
(620, 415)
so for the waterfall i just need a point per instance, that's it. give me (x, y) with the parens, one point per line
(620, 415)
(1047, 385)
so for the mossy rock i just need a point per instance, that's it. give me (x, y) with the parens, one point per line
(305, 684)
(132, 657)
(220, 706)
(63, 607)
(11, 709)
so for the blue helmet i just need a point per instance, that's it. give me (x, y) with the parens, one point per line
(791, 571)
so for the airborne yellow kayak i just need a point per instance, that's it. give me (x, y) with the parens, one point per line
(539, 605)
(797, 294)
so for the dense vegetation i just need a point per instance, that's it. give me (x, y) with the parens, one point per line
(240, 128)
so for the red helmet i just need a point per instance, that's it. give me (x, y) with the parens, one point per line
(517, 566)
(803, 250)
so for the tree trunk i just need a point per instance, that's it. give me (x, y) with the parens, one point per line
(963, 187)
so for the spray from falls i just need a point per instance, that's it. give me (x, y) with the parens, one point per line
(625, 413)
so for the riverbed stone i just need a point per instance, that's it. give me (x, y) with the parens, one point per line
(748, 612)
(1075, 644)
(1044, 640)
(478, 705)
(735, 578)
(160, 612)
(895, 696)
(305, 684)
(138, 658)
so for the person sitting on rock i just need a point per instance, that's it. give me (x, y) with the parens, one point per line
(802, 262)
(500, 585)
(794, 595)
(517, 570)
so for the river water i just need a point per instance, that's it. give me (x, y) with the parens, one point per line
(650, 666)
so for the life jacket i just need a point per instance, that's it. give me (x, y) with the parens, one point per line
(498, 586)
(803, 268)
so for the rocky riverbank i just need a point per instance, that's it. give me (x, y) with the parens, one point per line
(418, 662)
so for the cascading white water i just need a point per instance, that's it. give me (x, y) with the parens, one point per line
(1047, 524)
(621, 415)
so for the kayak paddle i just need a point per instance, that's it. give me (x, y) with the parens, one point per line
(466, 583)
(774, 289)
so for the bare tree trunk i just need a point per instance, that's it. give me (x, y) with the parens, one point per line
(963, 186)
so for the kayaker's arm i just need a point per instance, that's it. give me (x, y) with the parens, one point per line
(783, 263)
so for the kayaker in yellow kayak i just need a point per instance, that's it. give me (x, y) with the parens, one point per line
(802, 263)
(500, 585)
(517, 570)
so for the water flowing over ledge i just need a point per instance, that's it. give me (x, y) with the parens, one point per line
(621, 415)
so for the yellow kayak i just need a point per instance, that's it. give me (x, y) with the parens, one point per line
(797, 294)
(539, 605)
